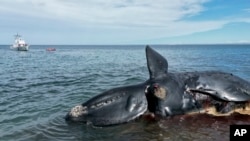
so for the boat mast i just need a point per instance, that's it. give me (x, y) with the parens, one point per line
(17, 36)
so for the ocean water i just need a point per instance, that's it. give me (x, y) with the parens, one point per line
(38, 88)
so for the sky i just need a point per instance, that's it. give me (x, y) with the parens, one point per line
(100, 22)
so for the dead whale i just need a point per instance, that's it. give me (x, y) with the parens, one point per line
(166, 94)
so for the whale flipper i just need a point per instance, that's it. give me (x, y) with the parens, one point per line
(157, 64)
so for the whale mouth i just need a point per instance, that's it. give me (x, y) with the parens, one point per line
(82, 112)
(112, 107)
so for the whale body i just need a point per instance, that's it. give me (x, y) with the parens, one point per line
(166, 94)
(193, 92)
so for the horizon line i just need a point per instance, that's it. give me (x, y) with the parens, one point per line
(137, 44)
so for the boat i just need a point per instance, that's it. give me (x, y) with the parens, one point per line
(19, 44)
(50, 49)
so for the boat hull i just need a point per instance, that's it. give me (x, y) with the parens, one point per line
(20, 48)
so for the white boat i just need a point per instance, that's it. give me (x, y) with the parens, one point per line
(19, 44)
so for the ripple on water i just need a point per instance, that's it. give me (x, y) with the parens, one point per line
(55, 129)
(37, 89)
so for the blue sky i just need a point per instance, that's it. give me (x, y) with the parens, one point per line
(125, 21)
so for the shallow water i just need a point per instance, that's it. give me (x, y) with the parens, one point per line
(37, 89)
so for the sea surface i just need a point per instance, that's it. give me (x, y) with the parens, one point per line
(38, 88)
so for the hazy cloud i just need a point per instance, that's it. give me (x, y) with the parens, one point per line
(132, 19)
(110, 12)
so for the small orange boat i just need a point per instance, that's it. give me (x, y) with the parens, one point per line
(50, 49)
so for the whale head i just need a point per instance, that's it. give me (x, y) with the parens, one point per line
(115, 106)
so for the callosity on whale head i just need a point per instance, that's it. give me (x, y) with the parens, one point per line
(115, 106)
(182, 93)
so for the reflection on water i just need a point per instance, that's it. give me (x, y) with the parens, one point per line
(179, 128)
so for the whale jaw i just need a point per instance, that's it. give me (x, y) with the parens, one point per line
(115, 106)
